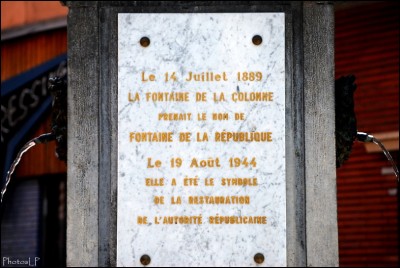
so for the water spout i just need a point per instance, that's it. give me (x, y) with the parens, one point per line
(364, 137)
(41, 139)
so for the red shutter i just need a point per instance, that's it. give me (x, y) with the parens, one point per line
(367, 45)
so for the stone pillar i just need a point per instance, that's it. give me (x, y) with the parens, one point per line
(310, 172)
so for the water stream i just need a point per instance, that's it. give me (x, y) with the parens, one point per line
(388, 156)
(365, 137)
(41, 139)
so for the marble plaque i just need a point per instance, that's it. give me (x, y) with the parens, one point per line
(201, 139)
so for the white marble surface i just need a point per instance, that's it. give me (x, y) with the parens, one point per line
(184, 43)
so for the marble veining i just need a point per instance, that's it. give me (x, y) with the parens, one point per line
(184, 43)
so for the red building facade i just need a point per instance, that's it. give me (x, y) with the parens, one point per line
(367, 45)
(33, 48)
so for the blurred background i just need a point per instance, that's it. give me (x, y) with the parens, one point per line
(33, 48)
(367, 45)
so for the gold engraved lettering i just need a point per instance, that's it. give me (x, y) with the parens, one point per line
(206, 77)
(219, 97)
(141, 220)
(243, 136)
(239, 182)
(167, 96)
(150, 163)
(220, 116)
(252, 96)
(134, 98)
(174, 116)
(201, 137)
(150, 136)
(173, 183)
(201, 96)
(181, 219)
(154, 182)
(150, 77)
(209, 182)
(219, 200)
(159, 200)
(191, 181)
(176, 200)
(210, 162)
(237, 219)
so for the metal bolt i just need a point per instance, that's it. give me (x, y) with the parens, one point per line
(259, 258)
(145, 260)
(144, 41)
(257, 40)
